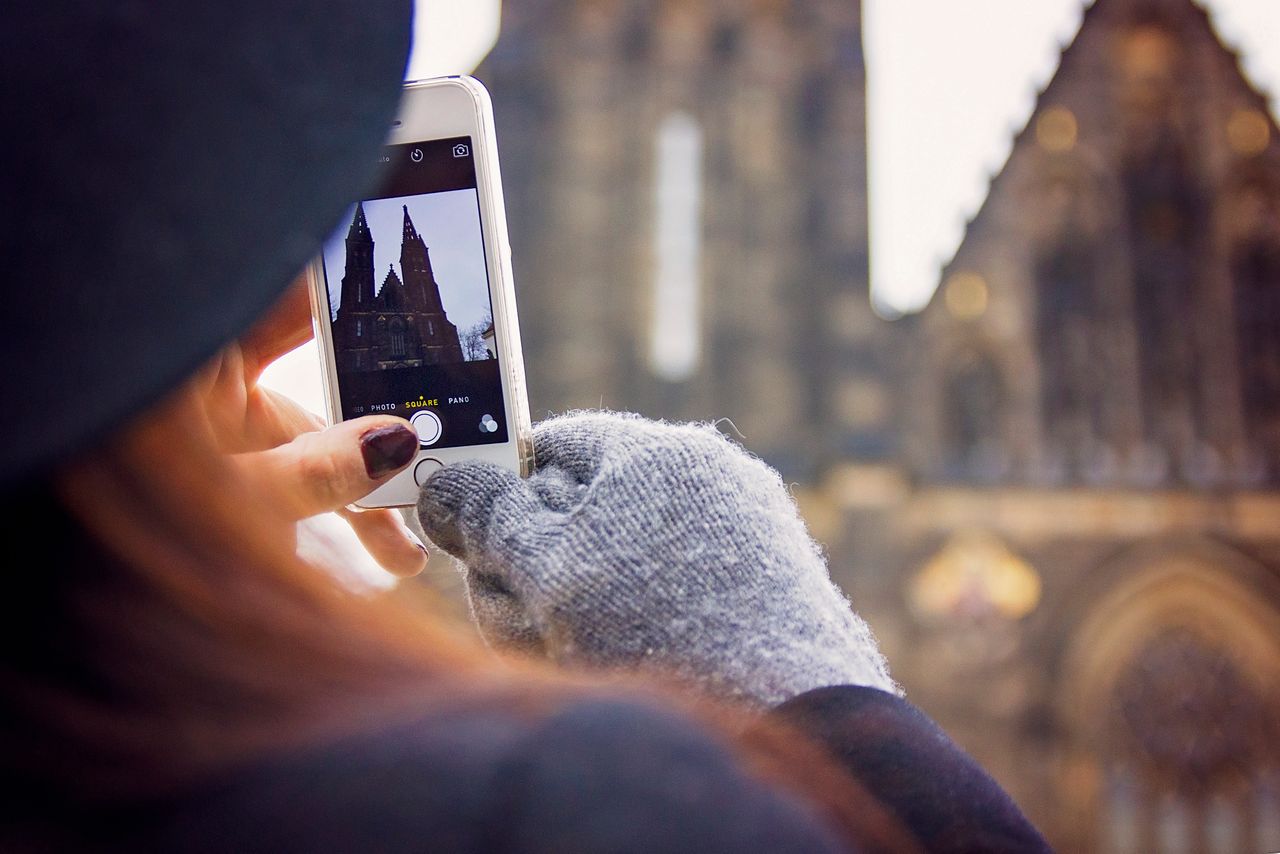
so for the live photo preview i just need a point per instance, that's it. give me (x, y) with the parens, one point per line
(407, 284)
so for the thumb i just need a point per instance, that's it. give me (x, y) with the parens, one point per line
(326, 470)
(456, 505)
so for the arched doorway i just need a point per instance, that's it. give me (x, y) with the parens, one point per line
(1169, 696)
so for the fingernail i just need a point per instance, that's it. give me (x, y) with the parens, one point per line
(388, 449)
(413, 538)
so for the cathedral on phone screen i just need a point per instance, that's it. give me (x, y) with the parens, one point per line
(410, 306)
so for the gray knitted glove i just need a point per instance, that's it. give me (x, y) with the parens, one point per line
(651, 546)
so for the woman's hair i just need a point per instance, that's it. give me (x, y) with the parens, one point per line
(162, 630)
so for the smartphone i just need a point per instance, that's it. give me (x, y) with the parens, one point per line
(413, 300)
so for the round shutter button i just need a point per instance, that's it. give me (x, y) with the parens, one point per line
(427, 423)
(425, 469)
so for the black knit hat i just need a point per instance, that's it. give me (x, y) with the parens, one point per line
(166, 168)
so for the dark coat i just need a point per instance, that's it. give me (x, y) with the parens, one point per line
(599, 776)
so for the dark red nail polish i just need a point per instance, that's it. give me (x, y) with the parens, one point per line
(387, 449)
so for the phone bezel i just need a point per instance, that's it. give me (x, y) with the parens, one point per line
(443, 108)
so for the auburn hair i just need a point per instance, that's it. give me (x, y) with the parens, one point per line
(163, 630)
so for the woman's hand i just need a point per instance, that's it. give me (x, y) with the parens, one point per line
(651, 546)
(275, 440)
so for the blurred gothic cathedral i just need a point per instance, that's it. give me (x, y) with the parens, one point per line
(1055, 492)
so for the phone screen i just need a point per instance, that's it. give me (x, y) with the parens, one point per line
(410, 304)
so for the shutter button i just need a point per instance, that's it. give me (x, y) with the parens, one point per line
(427, 424)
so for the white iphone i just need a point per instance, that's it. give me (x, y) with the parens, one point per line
(414, 307)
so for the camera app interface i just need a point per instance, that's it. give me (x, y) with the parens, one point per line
(409, 300)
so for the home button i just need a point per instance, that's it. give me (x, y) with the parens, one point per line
(425, 469)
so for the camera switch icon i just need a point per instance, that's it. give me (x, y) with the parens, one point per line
(461, 150)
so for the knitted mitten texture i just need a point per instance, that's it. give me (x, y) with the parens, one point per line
(655, 547)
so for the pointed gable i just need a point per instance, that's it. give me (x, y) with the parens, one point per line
(1100, 288)
(391, 294)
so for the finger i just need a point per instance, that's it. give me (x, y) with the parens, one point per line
(577, 442)
(329, 469)
(285, 327)
(457, 507)
(389, 540)
(272, 419)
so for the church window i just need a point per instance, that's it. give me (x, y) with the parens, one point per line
(431, 329)
(727, 40)
(396, 330)
(1256, 269)
(359, 327)
(636, 39)
(1068, 325)
(815, 103)
(973, 413)
(1166, 227)
(675, 331)
(1186, 769)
